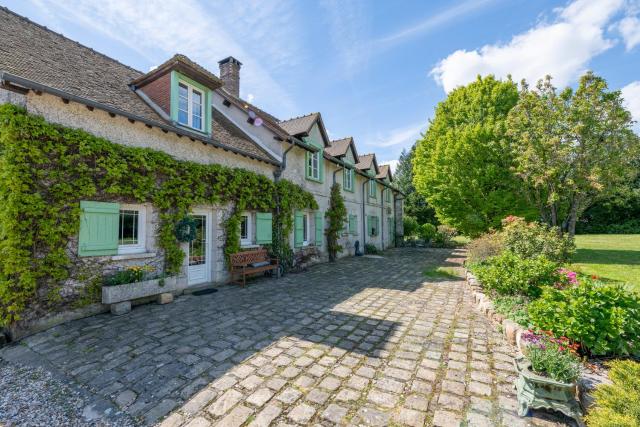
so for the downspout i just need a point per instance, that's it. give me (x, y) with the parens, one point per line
(277, 174)
(335, 172)
(364, 219)
(382, 217)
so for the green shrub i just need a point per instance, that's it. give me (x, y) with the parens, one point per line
(552, 358)
(427, 231)
(603, 318)
(532, 239)
(410, 226)
(510, 274)
(131, 274)
(514, 308)
(484, 247)
(370, 248)
(617, 404)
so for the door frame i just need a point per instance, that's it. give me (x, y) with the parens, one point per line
(208, 266)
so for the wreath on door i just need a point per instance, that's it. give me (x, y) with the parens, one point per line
(186, 230)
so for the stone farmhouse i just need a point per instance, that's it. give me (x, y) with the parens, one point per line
(192, 114)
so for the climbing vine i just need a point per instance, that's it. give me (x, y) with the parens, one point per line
(336, 215)
(46, 169)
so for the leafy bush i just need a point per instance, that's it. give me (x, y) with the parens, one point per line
(631, 226)
(531, 239)
(444, 236)
(514, 308)
(484, 247)
(370, 249)
(410, 225)
(618, 404)
(552, 357)
(427, 231)
(511, 274)
(603, 318)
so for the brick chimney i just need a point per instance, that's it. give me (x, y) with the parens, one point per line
(230, 75)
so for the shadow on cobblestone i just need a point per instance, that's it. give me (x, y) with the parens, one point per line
(360, 341)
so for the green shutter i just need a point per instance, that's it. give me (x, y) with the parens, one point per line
(98, 228)
(321, 165)
(264, 224)
(298, 232)
(319, 223)
(353, 224)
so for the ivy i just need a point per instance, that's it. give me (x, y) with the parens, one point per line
(46, 169)
(336, 215)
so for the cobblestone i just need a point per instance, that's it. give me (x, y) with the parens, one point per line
(358, 342)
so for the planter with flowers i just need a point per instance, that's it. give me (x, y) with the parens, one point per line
(547, 375)
(135, 282)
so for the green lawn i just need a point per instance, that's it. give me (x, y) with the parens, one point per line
(614, 257)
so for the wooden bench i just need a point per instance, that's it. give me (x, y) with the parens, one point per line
(243, 264)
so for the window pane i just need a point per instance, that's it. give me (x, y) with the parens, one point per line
(183, 104)
(197, 247)
(196, 107)
(304, 228)
(128, 228)
(244, 230)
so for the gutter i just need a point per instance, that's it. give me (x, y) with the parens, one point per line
(37, 87)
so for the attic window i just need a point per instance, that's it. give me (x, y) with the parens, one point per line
(190, 103)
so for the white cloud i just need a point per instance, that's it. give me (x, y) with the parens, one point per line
(561, 48)
(392, 163)
(629, 28)
(631, 94)
(259, 33)
(404, 136)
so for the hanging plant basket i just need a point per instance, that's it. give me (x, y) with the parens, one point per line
(186, 230)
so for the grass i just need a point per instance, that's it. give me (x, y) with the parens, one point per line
(612, 257)
(442, 273)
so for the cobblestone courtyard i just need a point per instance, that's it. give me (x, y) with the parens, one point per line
(365, 341)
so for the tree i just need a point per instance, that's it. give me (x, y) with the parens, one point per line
(462, 165)
(336, 214)
(415, 205)
(571, 147)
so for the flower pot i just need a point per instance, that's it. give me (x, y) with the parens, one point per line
(536, 391)
(131, 291)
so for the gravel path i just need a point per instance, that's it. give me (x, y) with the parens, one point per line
(33, 397)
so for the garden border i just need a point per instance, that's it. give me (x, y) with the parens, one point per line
(513, 333)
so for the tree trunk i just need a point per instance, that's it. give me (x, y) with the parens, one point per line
(573, 217)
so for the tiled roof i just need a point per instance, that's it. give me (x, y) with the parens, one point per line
(366, 161)
(299, 125)
(182, 62)
(384, 172)
(229, 134)
(33, 52)
(339, 147)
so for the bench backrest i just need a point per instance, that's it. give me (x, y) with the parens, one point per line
(249, 257)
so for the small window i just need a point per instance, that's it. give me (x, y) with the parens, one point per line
(313, 165)
(372, 188)
(348, 179)
(131, 229)
(305, 229)
(190, 106)
(246, 237)
(388, 195)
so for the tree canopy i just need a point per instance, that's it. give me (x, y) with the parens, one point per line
(414, 204)
(463, 164)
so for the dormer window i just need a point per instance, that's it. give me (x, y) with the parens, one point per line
(190, 106)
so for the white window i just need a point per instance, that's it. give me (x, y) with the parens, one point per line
(313, 168)
(246, 235)
(131, 238)
(305, 229)
(190, 106)
(348, 179)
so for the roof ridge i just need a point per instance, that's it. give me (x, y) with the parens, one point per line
(49, 30)
(300, 117)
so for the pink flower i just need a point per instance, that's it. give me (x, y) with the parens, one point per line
(572, 276)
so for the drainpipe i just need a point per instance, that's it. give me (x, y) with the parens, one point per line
(335, 172)
(382, 216)
(277, 174)
(364, 219)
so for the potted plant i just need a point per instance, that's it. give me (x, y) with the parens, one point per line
(136, 282)
(547, 375)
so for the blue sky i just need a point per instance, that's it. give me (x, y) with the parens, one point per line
(374, 69)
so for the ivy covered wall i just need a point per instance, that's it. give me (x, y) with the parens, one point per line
(47, 169)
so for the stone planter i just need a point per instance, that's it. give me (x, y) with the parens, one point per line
(120, 296)
(535, 391)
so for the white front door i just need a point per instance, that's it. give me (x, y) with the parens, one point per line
(199, 270)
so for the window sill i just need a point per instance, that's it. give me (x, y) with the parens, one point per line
(319, 181)
(141, 255)
(249, 246)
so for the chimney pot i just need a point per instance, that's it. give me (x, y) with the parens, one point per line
(230, 74)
